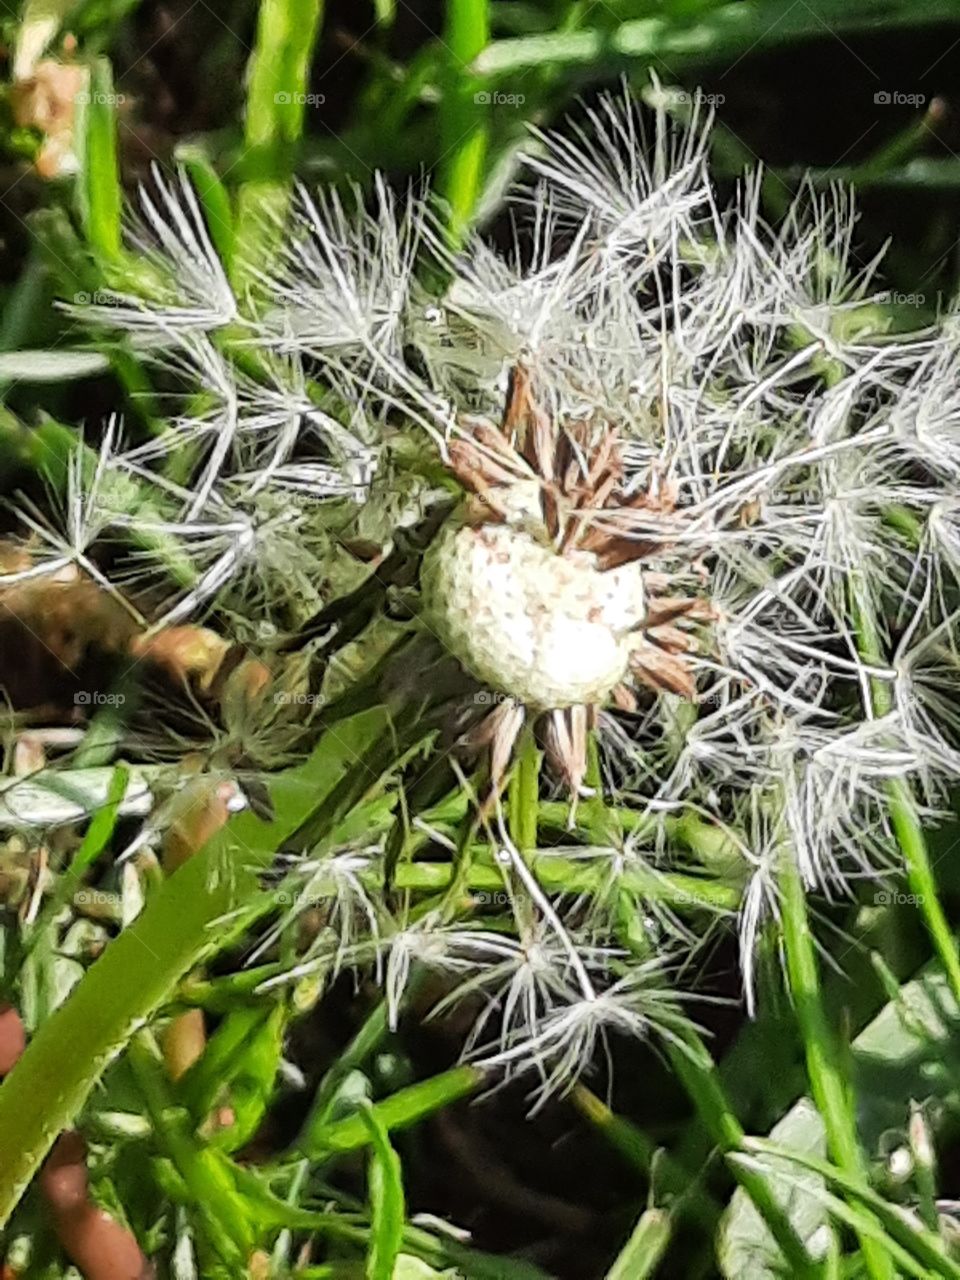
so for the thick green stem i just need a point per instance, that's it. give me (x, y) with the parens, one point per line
(277, 98)
(711, 844)
(466, 114)
(821, 1047)
(50, 1083)
(903, 812)
(224, 1213)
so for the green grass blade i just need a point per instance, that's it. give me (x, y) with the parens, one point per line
(387, 1209)
(369, 1036)
(465, 120)
(102, 825)
(698, 1074)
(278, 80)
(99, 193)
(214, 199)
(720, 33)
(861, 1223)
(642, 1253)
(903, 811)
(402, 1109)
(279, 73)
(925, 1245)
(225, 1213)
(824, 1064)
(695, 1201)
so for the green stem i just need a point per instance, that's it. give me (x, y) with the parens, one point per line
(279, 81)
(902, 809)
(720, 32)
(466, 114)
(822, 1050)
(402, 1109)
(223, 1212)
(709, 842)
(371, 1034)
(525, 794)
(694, 1200)
(698, 1073)
(571, 875)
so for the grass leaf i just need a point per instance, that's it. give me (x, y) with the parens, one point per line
(641, 1254)
(99, 193)
(400, 1110)
(387, 1209)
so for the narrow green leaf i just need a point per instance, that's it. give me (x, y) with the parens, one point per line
(465, 117)
(99, 193)
(100, 831)
(698, 1073)
(694, 1198)
(714, 35)
(207, 1175)
(852, 1216)
(828, 1080)
(744, 1243)
(97, 837)
(213, 196)
(387, 1210)
(386, 11)
(399, 1111)
(279, 71)
(277, 97)
(926, 1247)
(238, 1068)
(641, 1254)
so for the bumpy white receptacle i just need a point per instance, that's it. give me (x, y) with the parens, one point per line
(549, 630)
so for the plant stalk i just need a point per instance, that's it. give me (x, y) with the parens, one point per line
(824, 1066)
(465, 114)
(902, 808)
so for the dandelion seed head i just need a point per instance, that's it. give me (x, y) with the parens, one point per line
(692, 460)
